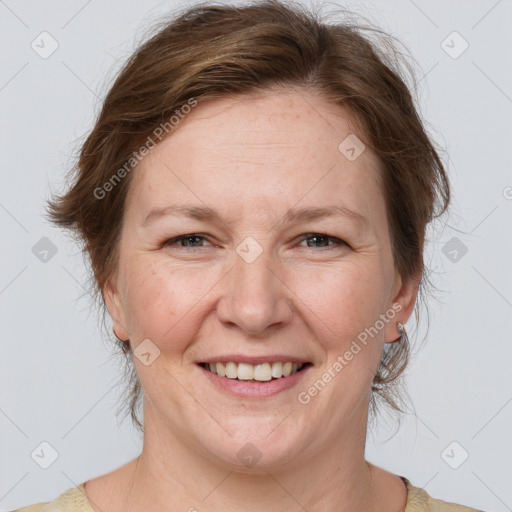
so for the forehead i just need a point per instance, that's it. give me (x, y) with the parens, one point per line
(252, 123)
(259, 150)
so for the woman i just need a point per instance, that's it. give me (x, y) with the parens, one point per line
(253, 199)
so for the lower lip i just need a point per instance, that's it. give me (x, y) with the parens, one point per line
(249, 389)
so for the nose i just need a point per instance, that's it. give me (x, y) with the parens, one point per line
(255, 298)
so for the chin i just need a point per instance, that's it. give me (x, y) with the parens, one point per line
(253, 448)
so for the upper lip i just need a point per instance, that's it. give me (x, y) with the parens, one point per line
(254, 360)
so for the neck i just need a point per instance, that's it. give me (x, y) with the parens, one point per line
(171, 475)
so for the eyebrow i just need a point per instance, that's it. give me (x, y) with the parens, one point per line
(293, 215)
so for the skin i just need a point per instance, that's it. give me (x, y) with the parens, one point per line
(252, 158)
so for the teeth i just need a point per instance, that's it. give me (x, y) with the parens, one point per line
(277, 370)
(260, 372)
(231, 370)
(245, 371)
(221, 369)
(263, 372)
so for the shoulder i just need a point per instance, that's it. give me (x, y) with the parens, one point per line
(73, 500)
(38, 507)
(418, 500)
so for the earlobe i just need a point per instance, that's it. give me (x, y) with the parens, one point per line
(115, 309)
(403, 303)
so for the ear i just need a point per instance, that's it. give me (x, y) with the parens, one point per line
(404, 298)
(114, 304)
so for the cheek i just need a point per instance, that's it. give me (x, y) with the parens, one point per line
(169, 303)
(163, 301)
(341, 302)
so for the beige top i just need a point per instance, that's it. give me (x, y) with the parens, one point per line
(75, 500)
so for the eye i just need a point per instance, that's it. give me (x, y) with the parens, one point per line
(322, 240)
(193, 240)
(184, 241)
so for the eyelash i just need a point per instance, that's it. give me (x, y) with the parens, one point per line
(173, 241)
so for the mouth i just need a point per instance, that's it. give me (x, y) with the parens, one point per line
(263, 372)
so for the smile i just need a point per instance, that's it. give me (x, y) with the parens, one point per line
(254, 381)
(259, 372)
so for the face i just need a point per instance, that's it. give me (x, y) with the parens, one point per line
(249, 237)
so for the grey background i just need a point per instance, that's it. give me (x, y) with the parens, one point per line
(58, 379)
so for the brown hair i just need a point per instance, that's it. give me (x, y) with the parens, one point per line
(210, 51)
